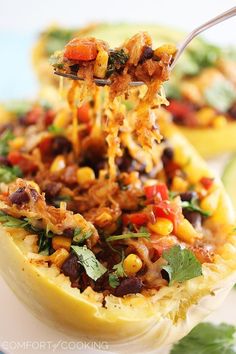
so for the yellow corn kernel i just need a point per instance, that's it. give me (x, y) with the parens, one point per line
(165, 48)
(205, 116)
(59, 257)
(100, 66)
(185, 231)
(161, 227)
(61, 242)
(17, 143)
(219, 121)
(58, 164)
(62, 119)
(85, 175)
(179, 184)
(181, 156)
(211, 201)
(132, 264)
(34, 185)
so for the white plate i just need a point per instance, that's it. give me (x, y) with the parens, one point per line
(20, 332)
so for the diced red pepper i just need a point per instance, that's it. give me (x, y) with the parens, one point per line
(26, 165)
(207, 182)
(160, 247)
(45, 146)
(34, 115)
(138, 219)
(81, 49)
(49, 117)
(159, 190)
(83, 113)
(168, 210)
(179, 109)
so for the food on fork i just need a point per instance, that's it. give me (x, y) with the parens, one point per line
(134, 61)
(204, 72)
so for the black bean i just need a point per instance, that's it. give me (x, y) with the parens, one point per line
(131, 285)
(69, 232)
(71, 268)
(20, 196)
(23, 120)
(61, 145)
(74, 68)
(194, 217)
(188, 196)
(168, 153)
(147, 54)
(4, 161)
(51, 251)
(165, 275)
(52, 189)
(232, 111)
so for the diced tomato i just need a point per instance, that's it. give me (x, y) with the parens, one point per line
(49, 117)
(160, 247)
(83, 113)
(170, 168)
(159, 190)
(81, 49)
(168, 210)
(206, 182)
(26, 165)
(33, 116)
(138, 219)
(45, 146)
(179, 109)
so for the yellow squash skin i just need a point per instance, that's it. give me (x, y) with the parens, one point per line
(134, 322)
(211, 142)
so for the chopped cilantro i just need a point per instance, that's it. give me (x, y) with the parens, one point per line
(9, 174)
(4, 139)
(44, 243)
(182, 264)
(54, 129)
(10, 221)
(81, 235)
(113, 280)
(192, 206)
(117, 60)
(56, 61)
(142, 233)
(44, 235)
(207, 338)
(118, 272)
(87, 259)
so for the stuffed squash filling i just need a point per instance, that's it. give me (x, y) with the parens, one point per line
(134, 232)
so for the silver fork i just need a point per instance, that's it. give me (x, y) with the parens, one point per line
(214, 21)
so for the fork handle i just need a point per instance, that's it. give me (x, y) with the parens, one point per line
(220, 18)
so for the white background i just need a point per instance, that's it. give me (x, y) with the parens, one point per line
(22, 20)
(31, 15)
